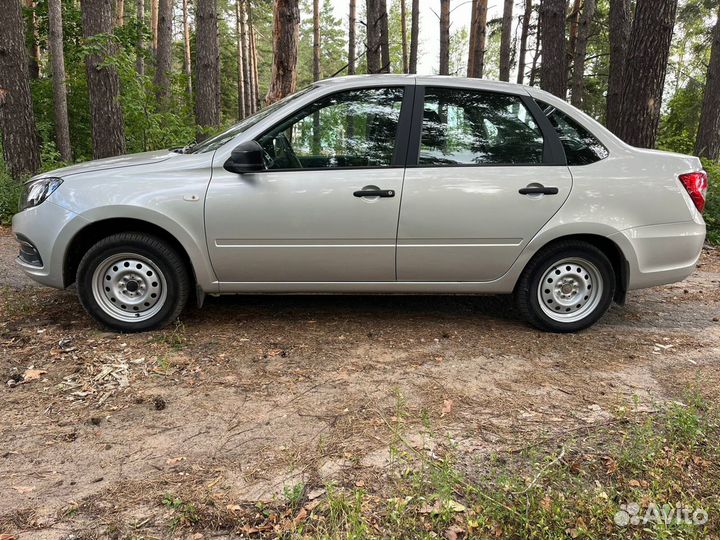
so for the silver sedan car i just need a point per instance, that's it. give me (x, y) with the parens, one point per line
(374, 184)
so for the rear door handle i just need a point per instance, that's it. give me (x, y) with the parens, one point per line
(538, 190)
(375, 193)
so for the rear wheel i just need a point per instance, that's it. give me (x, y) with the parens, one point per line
(132, 282)
(566, 287)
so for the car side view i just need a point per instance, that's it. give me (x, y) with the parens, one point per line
(374, 184)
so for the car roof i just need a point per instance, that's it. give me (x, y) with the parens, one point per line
(438, 80)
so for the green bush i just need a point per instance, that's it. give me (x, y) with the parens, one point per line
(712, 205)
(9, 196)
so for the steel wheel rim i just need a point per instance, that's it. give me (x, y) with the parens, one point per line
(129, 287)
(570, 289)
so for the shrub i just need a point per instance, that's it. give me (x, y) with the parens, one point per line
(9, 196)
(712, 206)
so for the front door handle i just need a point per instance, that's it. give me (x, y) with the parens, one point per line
(538, 190)
(375, 193)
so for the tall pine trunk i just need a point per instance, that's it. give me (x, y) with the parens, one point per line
(414, 35)
(163, 65)
(21, 146)
(708, 138)
(239, 35)
(403, 36)
(316, 40)
(57, 56)
(34, 40)
(207, 66)
(620, 23)
(578, 79)
(505, 37)
(108, 131)
(246, 64)
(645, 68)
(444, 37)
(372, 34)
(120, 13)
(524, 33)
(154, 24)
(286, 30)
(140, 46)
(351, 38)
(254, 62)
(384, 37)
(553, 73)
(187, 57)
(478, 32)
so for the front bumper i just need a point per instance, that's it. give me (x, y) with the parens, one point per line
(48, 228)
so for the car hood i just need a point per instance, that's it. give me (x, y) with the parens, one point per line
(144, 158)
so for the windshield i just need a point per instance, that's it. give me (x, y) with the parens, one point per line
(217, 141)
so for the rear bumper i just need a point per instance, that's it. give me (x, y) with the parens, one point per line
(48, 228)
(665, 253)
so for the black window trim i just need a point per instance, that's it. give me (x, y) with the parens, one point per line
(553, 152)
(402, 137)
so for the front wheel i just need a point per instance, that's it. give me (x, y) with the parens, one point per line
(566, 287)
(132, 282)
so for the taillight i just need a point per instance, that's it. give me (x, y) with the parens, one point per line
(696, 184)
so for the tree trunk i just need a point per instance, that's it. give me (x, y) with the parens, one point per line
(239, 35)
(574, 18)
(644, 74)
(414, 35)
(534, 69)
(187, 58)
(708, 138)
(20, 142)
(372, 33)
(253, 60)
(207, 66)
(578, 79)
(164, 53)
(140, 60)
(523, 41)
(553, 73)
(120, 13)
(384, 37)
(620, 22)
(316, 40)
(286, 30)
(505, 38)
(403, 36)
(57, 56)
(154, 23)
(108, 131)
(478, 32)
(444, 37)
(351, 38)
(246, 64)
(34, 44)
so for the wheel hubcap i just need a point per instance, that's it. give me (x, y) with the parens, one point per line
(570, 289)
(129, 287)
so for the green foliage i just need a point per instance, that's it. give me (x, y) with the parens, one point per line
(9, 196)
(679, 125)
(712, 205)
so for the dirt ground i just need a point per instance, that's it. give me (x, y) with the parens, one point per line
(255, 393)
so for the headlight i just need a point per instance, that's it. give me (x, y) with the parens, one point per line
(36, 191)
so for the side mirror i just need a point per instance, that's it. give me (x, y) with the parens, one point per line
(248, 157)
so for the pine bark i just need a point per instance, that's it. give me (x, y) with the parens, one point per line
(708, 138)
(246, 65)
(384, 37)
(316, 40)
(444, 37)
(403, 36)
(34, 41)
(577, 96)
(254, 62)
(154, 23)
(21, 148)
(478, 32)
(108, 131)
(240, 62)
(187, 57)
(57, 57)
(644, 73)
(163, 64)
(372, 34)
(351, 38)
(553, 71)
(505, 37)
(620, 23)
(140, 59)
(524, 33)
(120, 13)
(414, 35)
(207, 65)
(286, 30)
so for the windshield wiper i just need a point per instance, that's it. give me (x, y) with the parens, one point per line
(183, 149)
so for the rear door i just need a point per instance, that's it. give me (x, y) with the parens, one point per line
(326, 208)
(485, 173)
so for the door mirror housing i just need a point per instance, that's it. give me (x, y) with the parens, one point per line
(247, 157)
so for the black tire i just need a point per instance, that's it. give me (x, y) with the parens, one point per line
(170, 272)
(528, 295)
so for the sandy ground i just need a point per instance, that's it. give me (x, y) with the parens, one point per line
(251, 394)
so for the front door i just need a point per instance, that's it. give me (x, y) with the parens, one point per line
(326, 208)
(484, 184)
